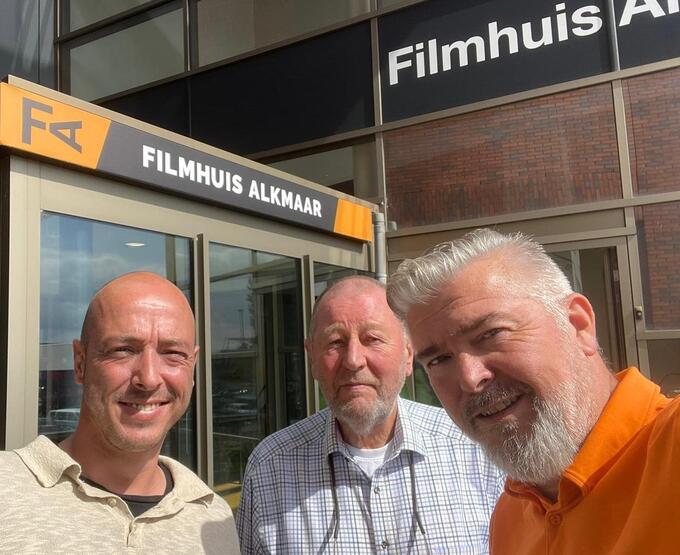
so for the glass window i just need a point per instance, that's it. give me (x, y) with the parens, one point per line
(594, 273)
(653, 122)
(544, 152)
(230, 27)
(423, 390)
(351, 170)
(78, 13)
(77, 257)
(258, 370)
(150, 49)
(663, 362)
(658, 233)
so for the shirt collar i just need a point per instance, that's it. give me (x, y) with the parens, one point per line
(188, 486)
(49, 463)
(634, 402)
(405, 436)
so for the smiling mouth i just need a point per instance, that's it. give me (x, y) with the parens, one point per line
(499, 406)
(144, 407)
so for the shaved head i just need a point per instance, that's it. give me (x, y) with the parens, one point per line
(132, 284)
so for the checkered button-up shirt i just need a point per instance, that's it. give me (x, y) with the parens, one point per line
(287, 503)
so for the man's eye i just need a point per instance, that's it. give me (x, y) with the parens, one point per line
(121, 350)
(437, 361)
(491, 333)
(373, 340)
(177, 355)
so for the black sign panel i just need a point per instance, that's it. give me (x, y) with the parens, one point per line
(648, 30)
(441, 53)
(147, 158)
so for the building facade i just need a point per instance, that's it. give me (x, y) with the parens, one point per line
(558, 119)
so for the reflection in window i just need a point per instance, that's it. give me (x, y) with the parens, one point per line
(423, 390)
(663, 363)
(351, 170)
(141, 53)
(258, 371)
(230, 27)
(77, 257)
(79, 13)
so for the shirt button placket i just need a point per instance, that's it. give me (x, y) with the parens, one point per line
(384, 545)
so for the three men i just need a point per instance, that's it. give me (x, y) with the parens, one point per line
(374, 473)
(105, 489)
(511, 351)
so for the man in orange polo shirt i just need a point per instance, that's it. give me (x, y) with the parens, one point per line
(593, 458)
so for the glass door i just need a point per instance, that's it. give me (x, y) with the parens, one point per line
(593, 270)
(258, 369)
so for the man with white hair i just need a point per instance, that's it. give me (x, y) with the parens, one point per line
(511, 351)
(374, 473)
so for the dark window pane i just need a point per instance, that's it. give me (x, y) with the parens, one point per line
(79, 13)
(133, 56)
(231, 27)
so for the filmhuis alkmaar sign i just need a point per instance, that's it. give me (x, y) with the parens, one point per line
(58, 130)
(435, 56)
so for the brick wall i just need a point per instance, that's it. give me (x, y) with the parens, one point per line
(658, 228)
(545, 152)
(653, 125)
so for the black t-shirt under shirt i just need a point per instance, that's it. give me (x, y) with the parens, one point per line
(139, 504)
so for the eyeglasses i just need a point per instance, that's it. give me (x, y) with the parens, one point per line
(414, 504)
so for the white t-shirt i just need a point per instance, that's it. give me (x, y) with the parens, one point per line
(369, 460)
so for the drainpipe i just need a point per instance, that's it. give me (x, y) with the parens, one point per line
(380, 245)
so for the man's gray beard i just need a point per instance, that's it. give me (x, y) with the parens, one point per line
(362, 422)
(541, 454)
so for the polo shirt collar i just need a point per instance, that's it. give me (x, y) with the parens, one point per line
(631, 406)
(633, 403)
(405, 436)
(48, 462)
(188, 486)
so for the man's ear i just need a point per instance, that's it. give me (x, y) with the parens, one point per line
(78, 361)
(409, 358)
(582, 319)
(310, 356)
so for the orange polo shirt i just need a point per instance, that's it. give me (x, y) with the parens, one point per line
(621, 494)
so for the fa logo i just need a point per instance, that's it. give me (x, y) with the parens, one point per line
(65, 131)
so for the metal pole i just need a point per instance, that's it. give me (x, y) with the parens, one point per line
(380, 247)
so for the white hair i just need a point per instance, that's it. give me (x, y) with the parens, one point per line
(419, 280)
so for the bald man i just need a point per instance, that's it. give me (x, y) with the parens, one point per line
(373, 473)
(106, 489)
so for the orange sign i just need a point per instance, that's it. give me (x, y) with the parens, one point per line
(36, 124)
(353, 220)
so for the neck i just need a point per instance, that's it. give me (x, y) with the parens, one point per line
(550, 490)
(603, 383)
(120, 472)
(376, 437)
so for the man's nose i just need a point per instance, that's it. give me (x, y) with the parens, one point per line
(473, 374)
(147, 372)
(355, 358)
